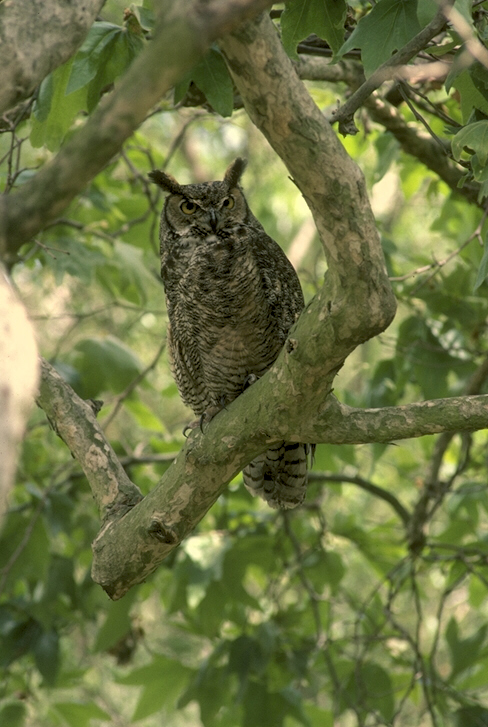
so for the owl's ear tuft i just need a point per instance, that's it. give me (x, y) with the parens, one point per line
(234, 172)
(165, 181)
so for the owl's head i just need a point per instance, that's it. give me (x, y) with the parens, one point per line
(209, 206)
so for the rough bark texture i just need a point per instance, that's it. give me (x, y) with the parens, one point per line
(184, 32)
(134, 540)
(36, 36)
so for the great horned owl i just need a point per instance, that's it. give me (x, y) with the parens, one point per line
(231, 296)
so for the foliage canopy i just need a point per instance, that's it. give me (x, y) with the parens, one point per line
(369, 605)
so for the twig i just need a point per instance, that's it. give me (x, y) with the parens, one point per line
(345, 115)
(388, 497)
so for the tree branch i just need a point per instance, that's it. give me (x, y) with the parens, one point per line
(138, 534)
(74, 421)
(185, 30)
(333, 187)
(417, 144)
(345, 115)
(37, 36)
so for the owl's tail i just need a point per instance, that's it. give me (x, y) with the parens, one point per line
(279, 475)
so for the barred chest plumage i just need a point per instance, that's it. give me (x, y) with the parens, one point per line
(232, 296)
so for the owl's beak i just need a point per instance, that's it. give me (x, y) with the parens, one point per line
(213, 219)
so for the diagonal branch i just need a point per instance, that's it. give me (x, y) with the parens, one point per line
(345, 115)
(185, 30)
(138, 534)
(36, 36)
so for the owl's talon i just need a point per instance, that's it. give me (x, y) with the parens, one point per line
(190, 426)
(249, 381)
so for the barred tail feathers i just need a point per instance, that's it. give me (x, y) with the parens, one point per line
(279, 476)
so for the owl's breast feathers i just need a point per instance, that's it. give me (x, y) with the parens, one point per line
(232, 296)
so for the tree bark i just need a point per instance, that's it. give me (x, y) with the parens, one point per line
(37, 36)
(184, 32)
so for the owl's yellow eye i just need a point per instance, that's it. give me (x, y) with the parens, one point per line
(228, 202)
(188, 208)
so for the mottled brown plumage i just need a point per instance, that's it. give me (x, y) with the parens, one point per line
(231, 295)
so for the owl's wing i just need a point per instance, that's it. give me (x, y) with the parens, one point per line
(280, 281)
(186, 369)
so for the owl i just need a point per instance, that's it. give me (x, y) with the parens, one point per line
(231, 295)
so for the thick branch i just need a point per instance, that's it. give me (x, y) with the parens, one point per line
(346, 425)
(74, 421)
(133, 542)
(185, 30)
(332, 184)
(36, 36)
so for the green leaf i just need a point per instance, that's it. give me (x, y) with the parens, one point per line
(369, 686)
(213, 79)
(86, 63)
(472, 716)
(464, 652)
(127, 275)
(163, 681)
(53, 116)
(471, 98)
(301, 18)
(394, 21)
(13, 714)
(117, 623)
(105, 364)
(46, 655)
(18, 639)
(143, 415)
(71, 256)
(80, 714)
(483, 268)
(263, 707)
(473, 138)
(30, 563)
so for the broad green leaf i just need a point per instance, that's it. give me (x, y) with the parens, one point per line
(464, 652)
(394, 21)
(163, 681)
(213, 79)
(80, 714)
(483, 268)
(114, 59)
(46, 655)
(301, 18)
(13, 714)
(474, 138)
(270, 708)
(30, 563)
(318, 717)
(143, 415)
(67, 255)
(126, 275)
(52, 118)
(86, 63)
(117, 623)
(19, 638)
(471, 98)
(370, 687)
(246, 657)
(105, 364)
(471, 716)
